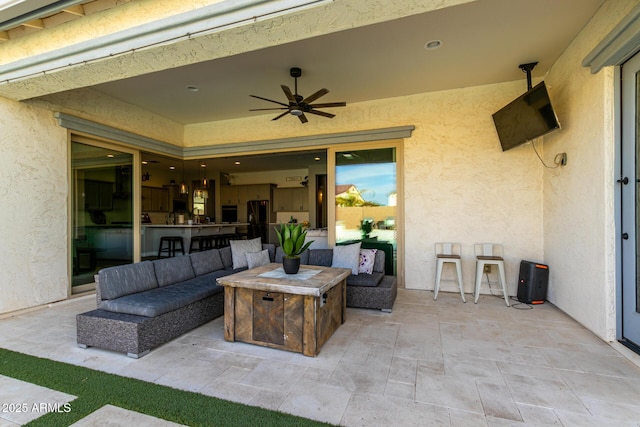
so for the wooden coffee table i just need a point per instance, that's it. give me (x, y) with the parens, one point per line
(267, 307)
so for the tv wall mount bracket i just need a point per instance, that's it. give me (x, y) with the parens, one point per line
(527, 68)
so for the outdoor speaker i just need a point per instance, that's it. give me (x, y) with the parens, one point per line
(532, 282)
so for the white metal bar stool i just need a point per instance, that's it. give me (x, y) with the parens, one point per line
(447, 252)
(489, 254)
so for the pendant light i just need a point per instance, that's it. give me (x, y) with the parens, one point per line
(183, 187)
(145, 175)
(204, 181)
(197, 193)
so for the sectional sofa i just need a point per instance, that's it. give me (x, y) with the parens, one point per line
(143, 305)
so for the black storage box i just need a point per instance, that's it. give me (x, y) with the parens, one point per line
(532, 282)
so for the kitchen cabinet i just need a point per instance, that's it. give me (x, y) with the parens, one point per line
(229, 195)
(98, 195)
(155, 199)
(254, 192)
(239, 195)
(281, 200)
(291, 199)
(300, 199)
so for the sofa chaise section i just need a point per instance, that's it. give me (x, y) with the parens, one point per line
(375, 290)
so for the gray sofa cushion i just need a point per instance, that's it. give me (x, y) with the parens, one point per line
(127, 279)
(347, 256)
(206, 261)
(173, 270)
(257, 259)
(164, 299)
(241, 247)
(213, 275)
(378, 264)
(322, 257)
(225, 255)
(364, 279)
(272, 250)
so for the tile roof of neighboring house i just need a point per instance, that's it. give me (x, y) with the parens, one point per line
(344, 188)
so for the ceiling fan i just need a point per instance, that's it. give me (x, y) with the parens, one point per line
(298, 105)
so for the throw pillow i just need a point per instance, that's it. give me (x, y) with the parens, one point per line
(256, 259)
(367, 259)
(347, 256)
(240, 247)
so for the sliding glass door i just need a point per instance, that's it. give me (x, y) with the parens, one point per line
(102, 210)
(366, 198)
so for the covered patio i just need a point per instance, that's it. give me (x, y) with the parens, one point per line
(428, 362)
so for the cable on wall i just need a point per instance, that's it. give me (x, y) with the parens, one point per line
(559, 160)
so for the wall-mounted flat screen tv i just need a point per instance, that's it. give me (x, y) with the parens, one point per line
(525, 118)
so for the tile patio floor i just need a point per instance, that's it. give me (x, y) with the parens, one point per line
(428, 363)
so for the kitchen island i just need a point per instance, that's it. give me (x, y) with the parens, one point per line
(151, 234)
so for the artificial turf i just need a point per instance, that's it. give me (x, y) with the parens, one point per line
(95, 389)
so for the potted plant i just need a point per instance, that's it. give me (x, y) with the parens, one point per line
(291, 238)
(366, 225)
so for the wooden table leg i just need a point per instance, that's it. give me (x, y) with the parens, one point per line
(309, 339)
(229, 313)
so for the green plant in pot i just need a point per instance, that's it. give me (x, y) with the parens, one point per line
(291, 237)
(366, 225)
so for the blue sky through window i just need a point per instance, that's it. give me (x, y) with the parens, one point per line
(375, 181)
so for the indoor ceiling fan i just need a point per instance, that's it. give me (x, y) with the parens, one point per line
(298, 105)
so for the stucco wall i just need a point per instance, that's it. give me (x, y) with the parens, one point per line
(94, 105)
(459, 185)
(579, 221)
(33, 217)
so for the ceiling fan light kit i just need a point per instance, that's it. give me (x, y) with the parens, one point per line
(299, 105)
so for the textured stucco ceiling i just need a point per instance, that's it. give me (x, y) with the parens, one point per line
(483, 42)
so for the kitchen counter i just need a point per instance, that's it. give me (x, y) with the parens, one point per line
(151, 234)
(185, 225)
(319, 236)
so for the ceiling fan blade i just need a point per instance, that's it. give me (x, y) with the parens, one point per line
(316, 95)
(265, 109)
(270, 100)
(329, 105)
(288, 94)
(322, 113)
(281, 115)
(303, 118)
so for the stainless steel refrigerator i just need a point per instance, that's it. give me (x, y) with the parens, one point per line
(258, 219)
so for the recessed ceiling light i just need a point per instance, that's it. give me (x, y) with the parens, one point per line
(433, 44)
(111, 156)
(237, 163)
(192, 88)
(172, 168)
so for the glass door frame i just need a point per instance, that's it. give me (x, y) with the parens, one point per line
(331, 196)
(76, 137)
(628, 317)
